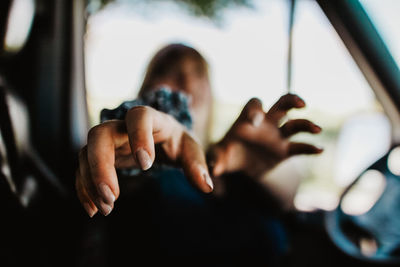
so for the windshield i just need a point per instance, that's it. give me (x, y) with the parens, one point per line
(385, 16)
(247, 55)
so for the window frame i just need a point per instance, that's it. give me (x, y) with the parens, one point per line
(370, 53)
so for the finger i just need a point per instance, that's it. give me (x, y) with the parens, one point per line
(83, 196)
(101, 145)
(139, 125)
(95, 190)
(123, 153)
(125, 161)
(194, 164)
(283, 105)
(147, 127)
(85, 176)
(293, 127)
(266, 136)
(303, 149)
(253, 112)
(216, 160)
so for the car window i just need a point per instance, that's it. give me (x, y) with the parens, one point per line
(385, 16)
(246, 50)
(356, 130)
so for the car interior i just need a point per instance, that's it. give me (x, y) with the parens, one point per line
(45, 117)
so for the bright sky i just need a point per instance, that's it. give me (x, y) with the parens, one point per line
(385, 16)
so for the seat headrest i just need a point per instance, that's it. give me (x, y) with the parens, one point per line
(4, 11)
(16, 17)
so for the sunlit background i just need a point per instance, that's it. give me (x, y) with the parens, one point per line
(246, 49)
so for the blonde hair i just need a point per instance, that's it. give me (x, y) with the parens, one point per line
(167, 58)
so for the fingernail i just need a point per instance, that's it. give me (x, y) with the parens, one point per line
(257, 119)
(317, 129)
(208, 180)
(91, 212)
(144, 159)
(104, 208)
(106, 193)
(300, 101)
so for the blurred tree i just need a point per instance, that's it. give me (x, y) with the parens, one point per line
(203, 8)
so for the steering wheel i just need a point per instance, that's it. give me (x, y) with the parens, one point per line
(379, 226)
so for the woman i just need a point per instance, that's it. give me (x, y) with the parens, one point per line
(170, 121)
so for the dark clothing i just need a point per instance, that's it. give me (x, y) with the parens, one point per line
(161, 218)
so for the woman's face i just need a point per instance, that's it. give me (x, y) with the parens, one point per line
(190, 77)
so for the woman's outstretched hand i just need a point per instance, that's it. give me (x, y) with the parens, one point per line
(131, 143)
(256, 143)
